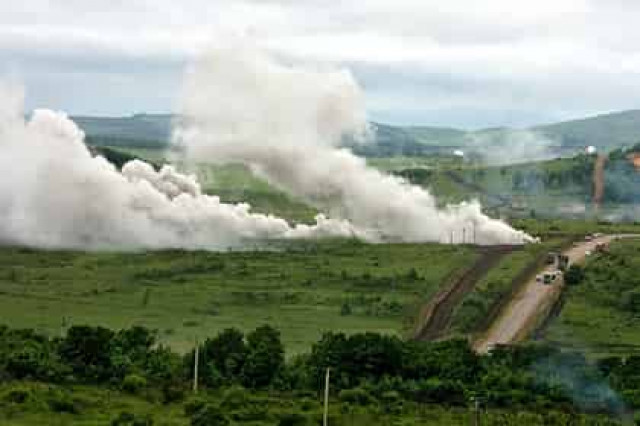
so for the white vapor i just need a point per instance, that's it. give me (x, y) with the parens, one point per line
(55, 194)
(508, 146)
(286, 123)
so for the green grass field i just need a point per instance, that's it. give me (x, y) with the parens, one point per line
(601, 315)
(303, 291)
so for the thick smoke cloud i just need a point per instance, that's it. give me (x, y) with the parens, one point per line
(55, 194)
(286, 123)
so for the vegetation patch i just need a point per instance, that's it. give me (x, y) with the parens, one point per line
(303, 289)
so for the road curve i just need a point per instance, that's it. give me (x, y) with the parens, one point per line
(533, 301)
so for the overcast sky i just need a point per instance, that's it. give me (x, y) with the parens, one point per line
(465, 63)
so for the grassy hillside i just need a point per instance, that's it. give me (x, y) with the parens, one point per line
(607, 131)
(303, 291)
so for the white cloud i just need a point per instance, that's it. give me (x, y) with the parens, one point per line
(548, 58)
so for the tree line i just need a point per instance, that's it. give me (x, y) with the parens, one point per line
(364, 367)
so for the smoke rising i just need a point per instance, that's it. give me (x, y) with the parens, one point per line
(242, 106)
(55, 194)
(508, 146)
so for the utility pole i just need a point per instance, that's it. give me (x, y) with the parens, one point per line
(325, 416)
(464, 235)
(476, 410)
(196, 355)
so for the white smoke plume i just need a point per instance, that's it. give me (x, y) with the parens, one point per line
(510, 146)
(55, 194)
(242, 106)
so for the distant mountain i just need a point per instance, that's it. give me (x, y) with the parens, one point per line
(607, 132)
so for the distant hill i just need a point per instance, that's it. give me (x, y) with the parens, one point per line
(410, 141)
(607, 132)
(140, 130)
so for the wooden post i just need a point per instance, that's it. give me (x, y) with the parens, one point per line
(325, 417)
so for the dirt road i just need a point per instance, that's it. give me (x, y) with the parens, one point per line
(521, 316)
(436, 316)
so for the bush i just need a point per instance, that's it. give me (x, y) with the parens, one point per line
(125, 418)
(345, 309)
(172, 392)
(574, 275)
(133, 383)
(192, 406)
(60, 402)
(293, 419)
(356, 396)
(17, 396)
(209, 415)
(235, 398)
(392, 401)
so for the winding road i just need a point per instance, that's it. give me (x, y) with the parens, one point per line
(532, 303)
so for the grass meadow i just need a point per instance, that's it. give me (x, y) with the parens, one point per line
(302, 290)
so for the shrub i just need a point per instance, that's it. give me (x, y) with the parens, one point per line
(17, 396)
(193, 405)
(345, 309)
(172, 392)
(574, 275)
(209, 415)
(356, 396)
(133, 383)
(125, 418)
(235, 398)
(293, 419)
(60, 402)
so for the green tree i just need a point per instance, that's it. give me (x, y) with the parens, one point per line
(265, 357)
(574, 275)
(87, 350)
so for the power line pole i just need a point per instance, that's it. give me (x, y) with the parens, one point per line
(325, 416)
(196, 355)
(464, 235)
(476, 410)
